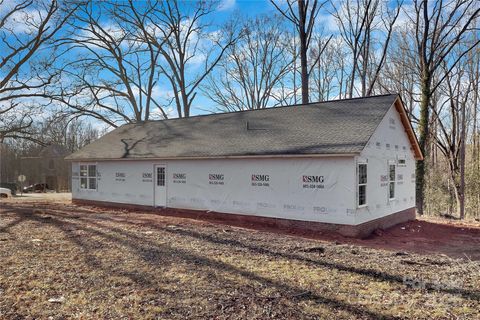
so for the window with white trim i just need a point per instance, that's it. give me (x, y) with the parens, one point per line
(88, 176)
(391, 181)
(362, 184)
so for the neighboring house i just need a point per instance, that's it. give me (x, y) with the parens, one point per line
(346, 165)
(49, 167)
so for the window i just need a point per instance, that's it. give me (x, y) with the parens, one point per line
(391, 181)
(83, 177)
(88, 176)
(161, 176)
(362, 184)
(401, 161)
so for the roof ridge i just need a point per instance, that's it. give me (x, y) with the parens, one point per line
(271, 108)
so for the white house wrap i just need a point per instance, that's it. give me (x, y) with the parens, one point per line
(346, 162)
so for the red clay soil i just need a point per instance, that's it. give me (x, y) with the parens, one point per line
(420, 236)
(426, 236)
(438, 236)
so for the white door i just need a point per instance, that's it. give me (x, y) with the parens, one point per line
(160, 185)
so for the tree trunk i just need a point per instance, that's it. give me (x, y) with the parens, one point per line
(458, 196)
(474, 129)
(423, 130)
(462, 164)
(475, 147)
(303, 49)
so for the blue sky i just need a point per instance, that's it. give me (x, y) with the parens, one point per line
(226, 9)
(249, 7)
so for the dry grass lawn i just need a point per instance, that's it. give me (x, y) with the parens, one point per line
(60, 261)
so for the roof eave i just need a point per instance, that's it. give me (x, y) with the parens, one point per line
(409, 129)
(281, 156)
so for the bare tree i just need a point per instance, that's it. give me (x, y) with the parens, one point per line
(328, 74)
(303, 14)
(438, 30)
(137, 59)
(27, 38)
(451, 118)
(251, 71)
(400, 73)
(72, 133)
(366, 26)
(190, 50)
(19, 124)
(473, 65)
(115, 73)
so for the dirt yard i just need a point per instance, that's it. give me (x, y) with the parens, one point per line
(61, 261)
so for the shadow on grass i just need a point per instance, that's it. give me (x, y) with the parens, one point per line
(6, 228)
(372, 273)
(153, 253)
(368, 272)
(84, 244)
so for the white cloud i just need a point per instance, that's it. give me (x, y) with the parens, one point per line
(89, 39)
(157, 114)
(26, 21)
(6, 7)
(226, 5)
(159, 92)
(328, 22)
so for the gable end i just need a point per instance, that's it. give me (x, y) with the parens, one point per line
(407, 125)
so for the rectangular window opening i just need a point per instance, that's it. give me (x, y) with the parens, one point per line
(362, 184)
(391, 181)
(88, 177)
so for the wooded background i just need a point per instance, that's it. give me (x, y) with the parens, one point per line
(71, 71)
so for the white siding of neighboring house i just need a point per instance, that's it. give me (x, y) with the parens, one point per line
(286, 195)
(378, 154)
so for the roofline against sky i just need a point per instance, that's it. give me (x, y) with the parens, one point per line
(269, 108)
(269, 156)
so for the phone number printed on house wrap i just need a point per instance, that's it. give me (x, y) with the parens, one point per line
(313, 182)
(216, 179)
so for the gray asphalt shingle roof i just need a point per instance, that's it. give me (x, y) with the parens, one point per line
(332, 127)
